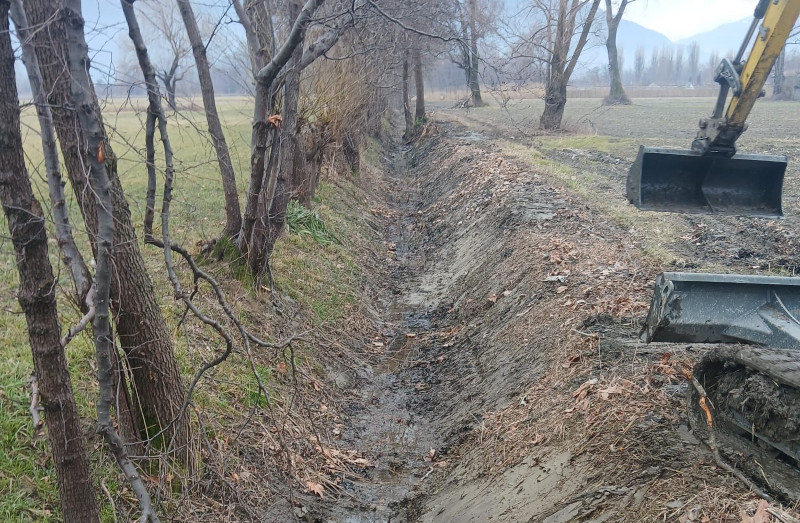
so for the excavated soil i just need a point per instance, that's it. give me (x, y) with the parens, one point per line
(506, 379)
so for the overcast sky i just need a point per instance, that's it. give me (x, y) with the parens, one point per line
(678, 19)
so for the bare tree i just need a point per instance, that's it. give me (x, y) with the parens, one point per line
(639, 65)
(163, 24)
(419, 84)
(563, 19)
(678, 66)
(778, 86)
(37, 297)
(470, 22)
(406, 99)
(693, 63)
(233, 212)
(277, 158)
(82, 97)
(140, 326)
(616, 95)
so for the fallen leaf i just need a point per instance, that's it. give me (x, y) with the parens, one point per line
(363, 463)
(281, 366)
(441, 464)
(761, 515)
(323, 408)
(561, 289)
(493, 298)
(606, 393)
(431, 454)
(411, 334)
(583, 390)
(316, 488)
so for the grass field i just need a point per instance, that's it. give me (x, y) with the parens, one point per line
(319, 275)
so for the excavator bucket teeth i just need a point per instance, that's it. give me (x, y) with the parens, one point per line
(725, 308)
(684, 181)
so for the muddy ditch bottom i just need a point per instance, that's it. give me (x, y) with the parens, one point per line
(386, 420)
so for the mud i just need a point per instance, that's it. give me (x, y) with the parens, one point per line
(757, 416)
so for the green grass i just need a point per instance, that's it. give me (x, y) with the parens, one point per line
(314, 264)
(303, 221)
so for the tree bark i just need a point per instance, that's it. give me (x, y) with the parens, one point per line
(406, 102)
(560, 68)
(419, 110)
(233, 212)
(274, 217)
(617, 94)
(37, 298)
(254, 234)
(140, 324)
(474, 83)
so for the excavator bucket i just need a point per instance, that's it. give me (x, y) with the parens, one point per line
(725, 308)
(685, 181)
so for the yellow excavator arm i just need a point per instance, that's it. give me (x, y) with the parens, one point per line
(778, 21)
(711, 177)
(718, 134)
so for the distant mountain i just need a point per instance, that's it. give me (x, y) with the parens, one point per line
(722, 40)
(630, 36)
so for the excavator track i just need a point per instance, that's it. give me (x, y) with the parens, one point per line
(754, 394)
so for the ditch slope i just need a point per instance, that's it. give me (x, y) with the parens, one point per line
(506, 380)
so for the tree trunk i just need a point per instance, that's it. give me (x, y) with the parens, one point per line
(140, 325)
(406, 102)
(37, 298)
(555, 100)
(266, 192)
(474, 84)
(275, 219)
(70, 254)
(780, 78)
(233, 212)
(617, 94)
(170, 85)
(560, 68)
(419, 113)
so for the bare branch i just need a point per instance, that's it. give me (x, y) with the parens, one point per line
(82, 94)
(269, 72)
(70, 254)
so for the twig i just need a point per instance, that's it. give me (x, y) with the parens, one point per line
(782, 516)
(110, 500)
(84, 322)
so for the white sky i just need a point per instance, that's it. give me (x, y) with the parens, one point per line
(682, 18)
